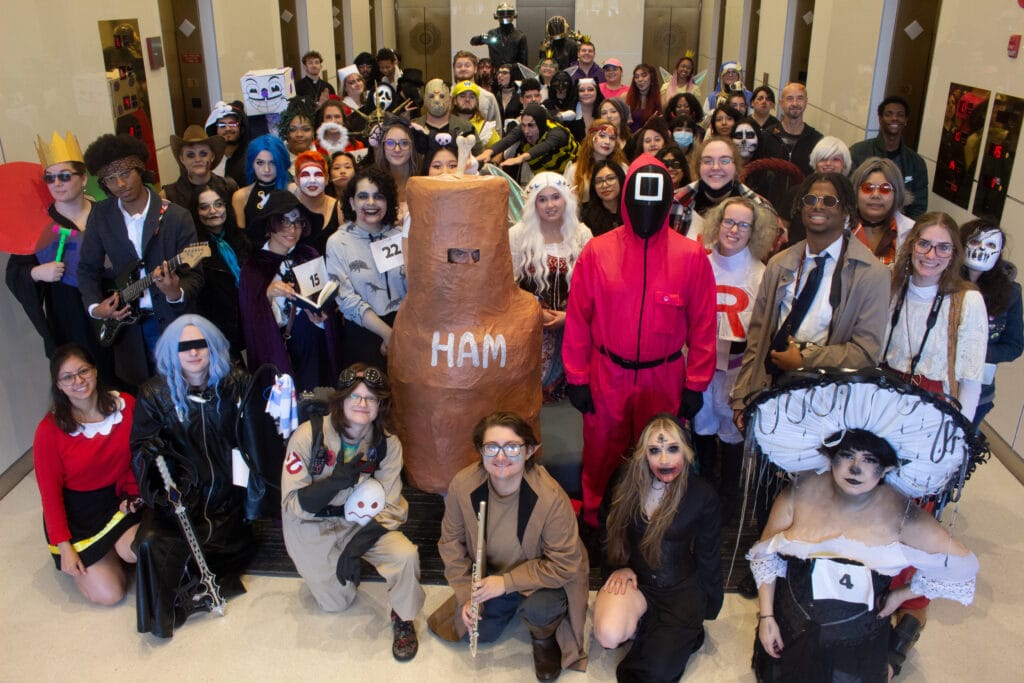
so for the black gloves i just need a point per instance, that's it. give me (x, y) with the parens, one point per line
(690, 404)
(580, 397)
(364, 539)
(319, 494)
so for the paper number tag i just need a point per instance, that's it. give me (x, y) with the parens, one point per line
(831, 580)
(387, 254)
(312, 276)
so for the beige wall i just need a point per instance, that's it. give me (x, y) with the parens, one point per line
(470, 19)
(43, 90)
(616, 29)
(841, 68)
(248, 38)
(358, 31)
(320, 26)
(971, 49)
(708, 45)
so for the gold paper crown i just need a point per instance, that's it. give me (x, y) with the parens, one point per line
(59, 150)
(690, 54)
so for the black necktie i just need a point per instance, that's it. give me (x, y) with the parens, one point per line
(801, 306)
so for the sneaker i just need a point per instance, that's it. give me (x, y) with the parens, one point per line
(405, 644)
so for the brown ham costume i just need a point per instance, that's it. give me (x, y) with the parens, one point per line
(467, 339)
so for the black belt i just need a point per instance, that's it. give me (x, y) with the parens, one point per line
(639, 365)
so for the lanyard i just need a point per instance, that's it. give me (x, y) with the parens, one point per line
(933, 316)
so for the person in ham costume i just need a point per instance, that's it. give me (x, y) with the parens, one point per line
(640, 294)
(467, 339)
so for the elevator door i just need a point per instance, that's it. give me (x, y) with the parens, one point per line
(911, 59)
(671, 27)
(533, 17)
(423, 33)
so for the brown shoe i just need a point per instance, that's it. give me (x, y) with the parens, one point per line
(547, 656)
(405, 644)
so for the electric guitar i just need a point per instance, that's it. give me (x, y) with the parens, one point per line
(130, 287)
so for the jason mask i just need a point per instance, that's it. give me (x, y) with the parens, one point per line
(439, 100)
(365, 502)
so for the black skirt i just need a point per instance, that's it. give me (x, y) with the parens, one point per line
(95, 523)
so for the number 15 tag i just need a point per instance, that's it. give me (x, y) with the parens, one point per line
(311, 276)
(387, 254)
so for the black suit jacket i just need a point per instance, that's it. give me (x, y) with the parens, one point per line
(107, 252)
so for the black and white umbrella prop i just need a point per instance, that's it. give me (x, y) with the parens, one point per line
(937, 446)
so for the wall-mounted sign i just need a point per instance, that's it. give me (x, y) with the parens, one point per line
(998, 154)
(960, 143)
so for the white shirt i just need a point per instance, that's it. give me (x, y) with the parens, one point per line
(135, 223)
(814, 327)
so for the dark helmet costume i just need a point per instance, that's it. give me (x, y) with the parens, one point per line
(647, 196)
(557, 27)
(504, 13)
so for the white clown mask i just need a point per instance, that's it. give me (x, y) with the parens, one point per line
(312, 180)
(365, 502)
(745, 138)
(983, 250)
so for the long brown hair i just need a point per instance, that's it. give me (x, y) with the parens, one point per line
(951, 280)
(631, 492)
(63, 411)
(336, 403)
(634, 96)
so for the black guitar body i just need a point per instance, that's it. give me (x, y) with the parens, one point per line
(107, 330)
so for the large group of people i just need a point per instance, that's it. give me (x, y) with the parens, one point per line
(686, 252)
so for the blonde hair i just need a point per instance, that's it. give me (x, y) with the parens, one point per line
(631, 493)
(762, 234)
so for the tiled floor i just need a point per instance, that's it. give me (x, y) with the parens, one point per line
(275, 632)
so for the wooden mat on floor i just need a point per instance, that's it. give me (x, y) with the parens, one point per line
(424, 529)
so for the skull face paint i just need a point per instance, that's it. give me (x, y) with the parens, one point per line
(983, 249)
(745, 138)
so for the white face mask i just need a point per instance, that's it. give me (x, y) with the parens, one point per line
(383, 97)
(746, 139)
(312, 181)
(983, 250)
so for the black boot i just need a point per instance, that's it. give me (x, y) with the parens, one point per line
(547, 656)
(706, 448)
(902, 638)
(729, 486)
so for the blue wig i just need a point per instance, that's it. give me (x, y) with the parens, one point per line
(169, 365)
(282, 162)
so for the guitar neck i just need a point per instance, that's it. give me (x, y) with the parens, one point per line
(138, 288)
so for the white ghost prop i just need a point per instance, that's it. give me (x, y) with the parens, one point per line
(365, 502)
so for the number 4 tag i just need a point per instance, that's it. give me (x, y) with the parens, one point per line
(831, 580)
(387, 254)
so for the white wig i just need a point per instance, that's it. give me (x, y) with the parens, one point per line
(529, 260)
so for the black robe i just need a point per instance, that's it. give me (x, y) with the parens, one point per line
(198, 454)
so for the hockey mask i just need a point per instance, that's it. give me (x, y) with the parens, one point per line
(439, 100)
(383, 96)
(745, 138)
(648, 198)
(365, 502)
(983, 249)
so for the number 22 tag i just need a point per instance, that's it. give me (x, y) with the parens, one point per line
(387, 254)
(831, 580)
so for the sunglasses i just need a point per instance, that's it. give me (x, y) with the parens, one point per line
(63, 176)
(370, 376)
(828, 200)
(881, 188)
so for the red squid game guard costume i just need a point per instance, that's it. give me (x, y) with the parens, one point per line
(640, 296)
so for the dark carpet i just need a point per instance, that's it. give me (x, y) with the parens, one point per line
(424, 528)
(562, 438)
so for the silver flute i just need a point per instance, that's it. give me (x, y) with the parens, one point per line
(478, 575)
(208, 592)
